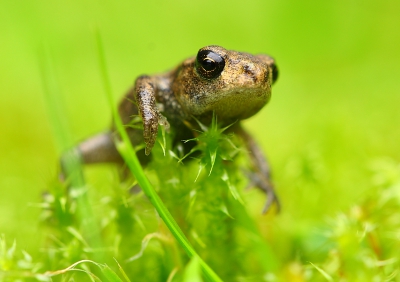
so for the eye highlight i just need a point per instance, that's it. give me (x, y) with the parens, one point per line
(209, 64)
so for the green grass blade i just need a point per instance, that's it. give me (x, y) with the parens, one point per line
(323, 273)
(72, 167)
(123, 272)
(70, 160)
(129, 156)
(109, 274)
(53, 101)
(192, 271)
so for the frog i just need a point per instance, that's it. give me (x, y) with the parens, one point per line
(229, 84)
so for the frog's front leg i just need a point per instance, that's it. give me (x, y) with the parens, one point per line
(261, 177)
(145, 96)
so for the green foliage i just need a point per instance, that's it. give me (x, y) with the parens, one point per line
(334, 109)
(361, 244)
(358, 245)
(205, 203)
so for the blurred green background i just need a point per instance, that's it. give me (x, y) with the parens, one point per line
(334, 109)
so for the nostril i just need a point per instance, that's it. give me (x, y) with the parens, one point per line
(249, 70)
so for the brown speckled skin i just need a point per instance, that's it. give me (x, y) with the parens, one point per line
(174, 98)
(241, 90)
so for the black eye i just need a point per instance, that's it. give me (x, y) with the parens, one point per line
(209, 64)
(275, 73)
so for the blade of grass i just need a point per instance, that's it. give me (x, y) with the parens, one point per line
(53, 101)
(323, 273)
(70, 160)
(107, 272)
(122, 271)
(110, 275)
(130, 158)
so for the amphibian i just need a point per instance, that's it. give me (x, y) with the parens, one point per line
(233, 85)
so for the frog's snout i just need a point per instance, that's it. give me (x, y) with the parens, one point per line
(270, 62)
(256, 73)
(250, 71)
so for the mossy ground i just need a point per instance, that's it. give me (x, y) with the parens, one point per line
(93, 233)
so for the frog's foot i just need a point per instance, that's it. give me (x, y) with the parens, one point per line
(263, 183)
(150, 129)
(151, 120)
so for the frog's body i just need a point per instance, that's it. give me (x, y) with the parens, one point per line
(233, 85)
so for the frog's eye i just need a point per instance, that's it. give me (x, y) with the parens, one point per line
(275, 72)
(209, 64)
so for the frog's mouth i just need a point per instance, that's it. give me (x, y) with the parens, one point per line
(241, 104)
(233, 105)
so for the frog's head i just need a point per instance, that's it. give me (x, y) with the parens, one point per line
(234, 85)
